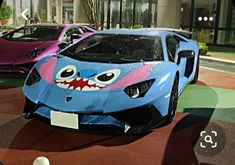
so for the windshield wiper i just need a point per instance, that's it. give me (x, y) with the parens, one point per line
(131, 60)
(83, 58)
(87, 58)
(103, 59)
(121, 60)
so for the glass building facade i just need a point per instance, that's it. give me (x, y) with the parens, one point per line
(212, 21)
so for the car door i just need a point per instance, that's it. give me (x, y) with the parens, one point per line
(173, 47)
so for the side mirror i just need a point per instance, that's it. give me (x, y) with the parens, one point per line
(75, 36)
(63, 45)
(186, 54)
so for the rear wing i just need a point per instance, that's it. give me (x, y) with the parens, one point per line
(182, 32)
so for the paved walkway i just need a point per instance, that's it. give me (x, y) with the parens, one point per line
(216, 78)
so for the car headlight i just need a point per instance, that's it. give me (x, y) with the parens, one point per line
(139, 89)
(34, 53)
(33, 77)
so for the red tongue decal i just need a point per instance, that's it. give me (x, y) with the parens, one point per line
(78, 83)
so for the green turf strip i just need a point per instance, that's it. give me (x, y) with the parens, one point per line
(215, 103)
(221, 49)
(11, 82)
(223, 53)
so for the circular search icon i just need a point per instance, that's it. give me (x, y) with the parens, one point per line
(211, 140)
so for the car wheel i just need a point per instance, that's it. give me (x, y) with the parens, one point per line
(196, 73)
(173, 101)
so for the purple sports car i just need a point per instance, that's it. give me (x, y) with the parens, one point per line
(21, 48)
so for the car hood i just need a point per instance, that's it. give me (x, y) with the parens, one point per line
(94, 84)
(13, 52)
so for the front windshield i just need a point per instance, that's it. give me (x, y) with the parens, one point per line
(34, 33)
(117, 48)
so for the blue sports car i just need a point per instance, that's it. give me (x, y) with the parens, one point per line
(127, 79)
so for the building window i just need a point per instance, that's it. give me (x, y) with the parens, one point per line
(204, 13)
(127, 13)
(103, 14)
(204, 20)
(142, 13)
(185, 14)
(154, 13)
(68, 10)
(115, 13)
(226, 32)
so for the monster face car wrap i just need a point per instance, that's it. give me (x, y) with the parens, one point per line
(71, 78)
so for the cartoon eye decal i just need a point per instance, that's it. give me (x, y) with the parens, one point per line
(107, 77)
(66, 72)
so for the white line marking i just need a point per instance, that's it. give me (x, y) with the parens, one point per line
(216, 70)
(218, 59)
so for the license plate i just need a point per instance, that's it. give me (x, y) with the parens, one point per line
(67, 120)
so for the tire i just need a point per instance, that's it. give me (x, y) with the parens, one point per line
(195, 79)
(173, 101)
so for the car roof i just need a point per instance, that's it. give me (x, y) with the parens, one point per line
(174, 30)
(58, 25)
(143, 31)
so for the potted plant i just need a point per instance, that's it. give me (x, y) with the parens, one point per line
(203, 48)
(5, 13)
(202, 36)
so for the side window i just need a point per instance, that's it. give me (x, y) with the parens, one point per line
(78, 31)
(179, 39)
(70, 32)
(67, 36)
(84, 29)
(158, 51)
(19, 34)
(24, 32)
(171, 44)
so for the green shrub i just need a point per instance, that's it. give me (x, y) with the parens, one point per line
(203, 48)
(5, 11)
(11, 27)
(202, 35)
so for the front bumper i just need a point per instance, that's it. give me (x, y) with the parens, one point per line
(130, 121)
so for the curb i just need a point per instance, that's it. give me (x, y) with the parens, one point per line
(217, 61)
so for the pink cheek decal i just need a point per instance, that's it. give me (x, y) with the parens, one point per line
(46, 70)
(135, 76)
